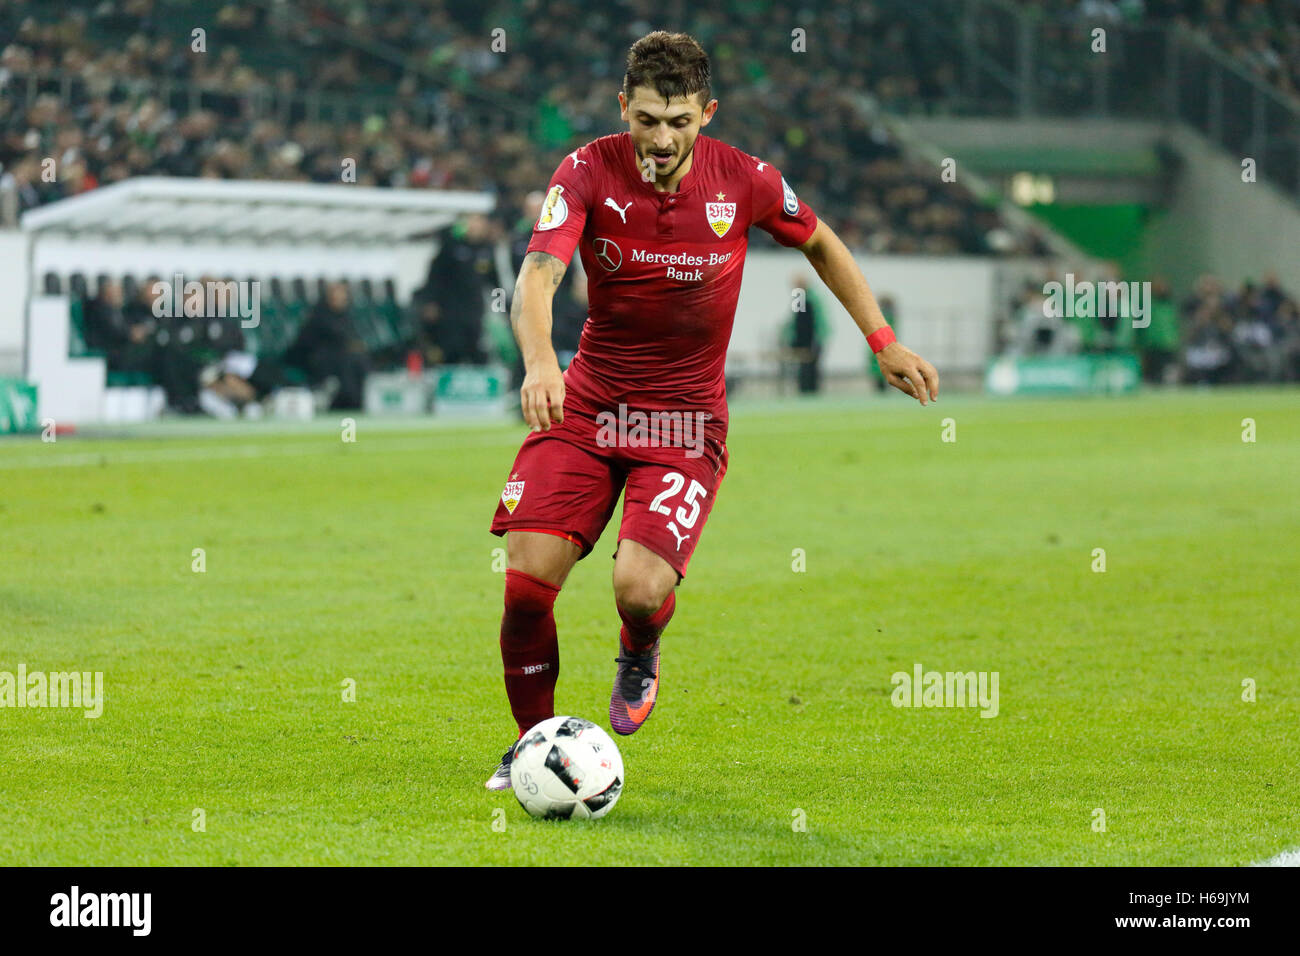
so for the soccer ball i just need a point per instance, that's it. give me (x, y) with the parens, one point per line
(566, 768)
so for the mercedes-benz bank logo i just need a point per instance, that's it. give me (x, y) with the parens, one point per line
(608, 253)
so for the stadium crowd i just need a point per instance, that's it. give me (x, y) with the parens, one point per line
(810, 124)
(218, 366)
(1214, 336)
(111, 89)
(1262, 35)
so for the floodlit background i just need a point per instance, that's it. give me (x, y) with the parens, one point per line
(374, 168)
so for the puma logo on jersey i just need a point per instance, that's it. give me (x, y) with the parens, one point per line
(574, 156)
(680, 537)
(621, 211)
(760, 166)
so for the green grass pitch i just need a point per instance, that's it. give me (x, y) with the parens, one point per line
(326, 561)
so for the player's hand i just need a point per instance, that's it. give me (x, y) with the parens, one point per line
(908, 372)
(542, 396)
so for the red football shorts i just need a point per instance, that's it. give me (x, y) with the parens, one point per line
(568, 480)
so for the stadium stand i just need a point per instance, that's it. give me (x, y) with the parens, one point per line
(1263, 36)
(1215, 335)
(140, 123)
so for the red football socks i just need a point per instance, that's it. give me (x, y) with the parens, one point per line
(529, 649)
(638, 633)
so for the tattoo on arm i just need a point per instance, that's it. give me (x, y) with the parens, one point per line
(535, 260)
(544, 260)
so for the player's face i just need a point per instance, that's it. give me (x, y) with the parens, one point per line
(664, 133)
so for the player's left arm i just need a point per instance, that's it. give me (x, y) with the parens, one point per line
(902, 368)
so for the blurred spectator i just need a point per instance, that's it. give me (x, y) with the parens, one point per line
(806, 334)
(449, 306)
(1158, 343)
(328, 349)
(105, 323)
(1039, 333)
(233, 380)
(174, 360)
(1209, 349)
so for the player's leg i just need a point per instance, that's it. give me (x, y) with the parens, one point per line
(664, 510)
(643, 581)
(536, 565)
(645, 595)
(555, 504)
(548, 555)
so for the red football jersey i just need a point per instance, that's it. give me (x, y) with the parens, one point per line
(663, 269)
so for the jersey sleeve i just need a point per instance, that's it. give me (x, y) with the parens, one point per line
(564, 211)
(777, 209)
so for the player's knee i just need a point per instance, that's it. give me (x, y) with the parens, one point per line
(638, 603)
(638, 597)
(540, 556)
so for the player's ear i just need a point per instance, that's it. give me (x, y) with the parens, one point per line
(709, 110)
(622, 106)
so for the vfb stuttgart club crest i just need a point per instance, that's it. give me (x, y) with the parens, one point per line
(720, 215)
(510, 497)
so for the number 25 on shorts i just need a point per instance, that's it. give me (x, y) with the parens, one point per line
(675, 481)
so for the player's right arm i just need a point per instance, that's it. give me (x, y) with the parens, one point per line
(555, 236)
(542, 395)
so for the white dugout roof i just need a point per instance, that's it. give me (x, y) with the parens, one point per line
(213, 210)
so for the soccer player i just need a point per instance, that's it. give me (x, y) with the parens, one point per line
(661, 215)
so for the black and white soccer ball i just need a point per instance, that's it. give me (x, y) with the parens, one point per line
(566, 768)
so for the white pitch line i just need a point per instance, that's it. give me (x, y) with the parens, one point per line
(128, 456)
(1285, 858)
(118, 452)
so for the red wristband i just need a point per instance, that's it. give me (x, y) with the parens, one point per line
(881, 338)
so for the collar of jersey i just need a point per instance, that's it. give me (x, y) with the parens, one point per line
(685, 186)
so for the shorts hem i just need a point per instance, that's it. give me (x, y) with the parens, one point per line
(543, 528)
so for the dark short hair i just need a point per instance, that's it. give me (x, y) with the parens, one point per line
(672, 64)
